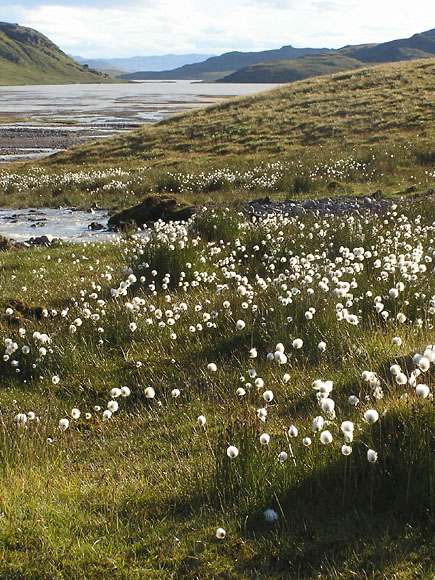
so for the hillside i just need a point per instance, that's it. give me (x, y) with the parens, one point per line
(346, 58)
(418, 46)
(370, 105)
(287, 71)
(28, 57)
(225, 64)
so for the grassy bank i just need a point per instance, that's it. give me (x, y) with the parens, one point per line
(185, 320)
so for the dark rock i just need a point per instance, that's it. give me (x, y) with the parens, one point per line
(332, 185)
(5, 244)
(95, 226)
(152, 209)
(411, 189)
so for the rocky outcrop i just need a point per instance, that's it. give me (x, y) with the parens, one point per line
(152, 209)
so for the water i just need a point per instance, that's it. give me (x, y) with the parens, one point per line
(68, 224)
(43, 119)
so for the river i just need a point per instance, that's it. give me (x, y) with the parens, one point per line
(39, 120)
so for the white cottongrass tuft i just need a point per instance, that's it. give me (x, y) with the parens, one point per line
(270, 515)
(75, 413)
(150, 393)
(306, 441)
(318, 423)
(240, 325)
(201, 420)
(283, 456)
(63, 424)
(220, 533)
(268, 396)
(346, 449)
(422, 391)
(371, 416)
(175, 393)
(212, 367)
(372, 456)
(293, 431)
(264, 439)
(107, 414)
(326, 437)
(297, 343)
(232, 451)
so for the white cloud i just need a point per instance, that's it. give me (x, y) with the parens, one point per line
(162, 26)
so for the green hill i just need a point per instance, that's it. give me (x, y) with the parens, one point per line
(217, 66)
(286, 71)
(346, 58)
(28, 57)
(378, 104)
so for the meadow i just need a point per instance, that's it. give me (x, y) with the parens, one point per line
(230, 397)
(222, 398)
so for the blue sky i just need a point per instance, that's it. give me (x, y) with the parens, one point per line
(109, 28)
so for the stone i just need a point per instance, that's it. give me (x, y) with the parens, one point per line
(152, 209)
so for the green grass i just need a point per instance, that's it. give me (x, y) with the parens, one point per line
(288, 71)
(27, 57)
(302, 139)
(389, 103)
(141, 495)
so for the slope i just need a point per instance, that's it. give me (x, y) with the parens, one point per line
(365, 106)
(29, 57)
(287, 71)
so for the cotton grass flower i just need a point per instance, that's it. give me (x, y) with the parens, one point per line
(63, 424)
(240, 325)
(125, 391)
(306, 441)
(201, 420)
(268, 396)
(422, 391)
(326, 437)
(318, 423)
(107, 414)
(212, 367)
(372, 456)
(75, 413)
(424, 364)
(265, 439)
(112, 406)
(150, 393)
(282, 457)
(297, 343)
(292, 431)
(371, 416)
(241, 392)
(232, 451)
(21, 419)
(346, 449)
(175, 393)
(115, 392)
(270, 515)
(220, 533)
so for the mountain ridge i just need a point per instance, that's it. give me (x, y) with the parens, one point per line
(235, 64)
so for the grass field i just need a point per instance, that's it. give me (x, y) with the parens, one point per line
(136, 485)
(229, 398)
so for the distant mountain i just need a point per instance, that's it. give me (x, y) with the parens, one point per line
(418, 46)
(28, 57)
(227, 63)
(286, 71)
(346, 58)
(138, 63)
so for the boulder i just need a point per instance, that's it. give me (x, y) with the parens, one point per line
(152, 209)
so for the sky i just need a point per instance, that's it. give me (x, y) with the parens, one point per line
(123, 28)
